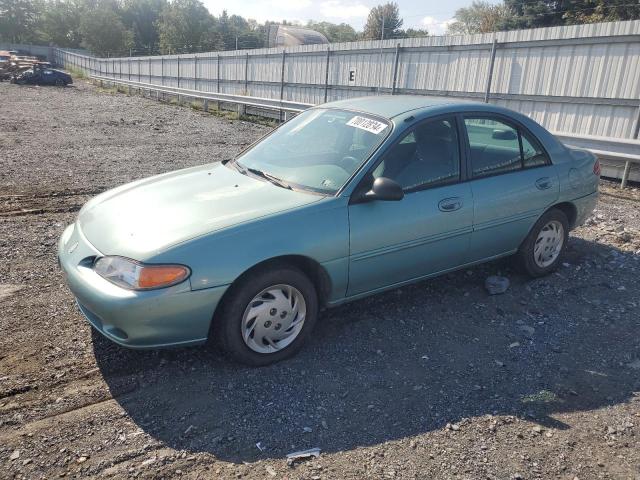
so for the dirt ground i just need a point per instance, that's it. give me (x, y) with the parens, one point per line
(436, 380)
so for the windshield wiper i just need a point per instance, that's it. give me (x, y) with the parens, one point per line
(269, 177)
(239, 167)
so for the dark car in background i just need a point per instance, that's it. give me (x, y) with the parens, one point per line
(43, 76)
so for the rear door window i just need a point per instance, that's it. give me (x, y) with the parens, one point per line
(495, 147)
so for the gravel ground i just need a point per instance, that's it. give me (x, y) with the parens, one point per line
(436, 380)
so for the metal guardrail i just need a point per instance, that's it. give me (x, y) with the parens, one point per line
(618, 149)
(606, 148)
(258, 102)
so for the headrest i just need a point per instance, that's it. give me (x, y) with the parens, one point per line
(434, 130)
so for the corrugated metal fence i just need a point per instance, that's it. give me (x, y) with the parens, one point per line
(581, 82)
(36, 50)
(581, 79)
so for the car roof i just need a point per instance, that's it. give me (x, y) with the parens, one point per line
(390, 106)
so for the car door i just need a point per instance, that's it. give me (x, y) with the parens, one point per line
(512, 180)
(428, 230)
(47, 77)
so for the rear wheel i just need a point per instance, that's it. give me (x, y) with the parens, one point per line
(267, 316)
(541, 252)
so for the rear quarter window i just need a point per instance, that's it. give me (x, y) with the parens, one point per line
(533, 155)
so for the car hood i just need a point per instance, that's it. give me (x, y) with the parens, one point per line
(141, 219)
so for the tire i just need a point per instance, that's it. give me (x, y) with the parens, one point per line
(552, 243)
(233, 320)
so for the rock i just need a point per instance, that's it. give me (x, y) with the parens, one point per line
(82, 459)
(528, 331)
(7, 290)
(537, 429)
(635, 364)
(514, 345)
(270, 470)
(292, 458)
(15, 455)
(307, 429)
(496, 285)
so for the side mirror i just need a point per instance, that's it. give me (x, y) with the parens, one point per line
(504, 134)
(384, 189)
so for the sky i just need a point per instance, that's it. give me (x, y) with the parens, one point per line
(430, 14)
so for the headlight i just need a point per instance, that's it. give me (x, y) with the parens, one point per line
(133, 275)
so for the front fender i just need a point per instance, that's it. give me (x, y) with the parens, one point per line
(319, 231)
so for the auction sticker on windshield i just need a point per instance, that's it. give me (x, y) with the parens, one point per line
(367, 124)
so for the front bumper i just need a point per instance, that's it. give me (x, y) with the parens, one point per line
(174, 316)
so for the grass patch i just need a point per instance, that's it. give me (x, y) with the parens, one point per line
(105, 89)
(267, 122)
(77, 73)
(196, 105)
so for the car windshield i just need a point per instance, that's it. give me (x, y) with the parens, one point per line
(318, 150)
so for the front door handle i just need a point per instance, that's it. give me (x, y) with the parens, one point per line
(543, 183)
(450, 204)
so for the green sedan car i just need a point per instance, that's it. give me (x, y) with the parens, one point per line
(345, 200)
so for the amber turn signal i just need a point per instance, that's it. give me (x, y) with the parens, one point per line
(128, 273)
(152, 276)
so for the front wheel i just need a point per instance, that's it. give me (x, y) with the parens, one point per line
(541, 252)
(267, 316)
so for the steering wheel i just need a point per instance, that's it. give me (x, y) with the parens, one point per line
(350, 161)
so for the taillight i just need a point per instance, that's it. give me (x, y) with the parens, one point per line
(596, 168)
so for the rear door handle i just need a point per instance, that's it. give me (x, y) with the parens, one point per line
(450, 204)
(543, 183)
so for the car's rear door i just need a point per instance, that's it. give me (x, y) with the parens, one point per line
(513, 182)
(428, 230)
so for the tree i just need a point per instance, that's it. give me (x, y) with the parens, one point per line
(103, 32)
(414, 33)
(601, 11)
(534, 14)
(19, 20)
(141, 17)
(387, 15)
(548, 13)
(342, 32)
(480, 17)
(60, 23)
(187, 26)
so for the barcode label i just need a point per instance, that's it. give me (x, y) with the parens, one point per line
(367, 124)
